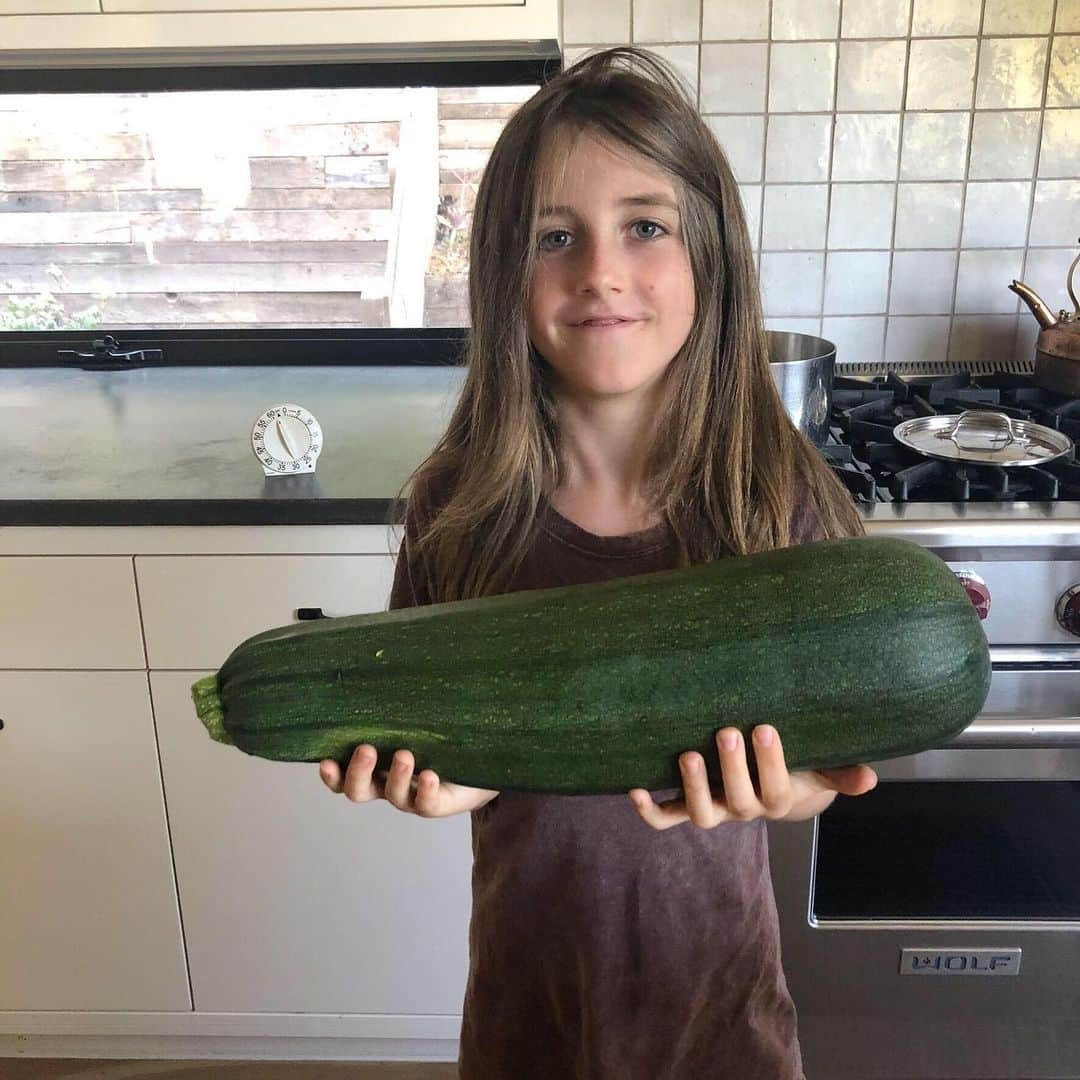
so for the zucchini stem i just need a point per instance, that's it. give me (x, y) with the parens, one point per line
(209, 708)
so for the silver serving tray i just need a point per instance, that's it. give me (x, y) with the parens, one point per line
(983, 437)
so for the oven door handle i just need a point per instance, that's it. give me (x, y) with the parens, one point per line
(1019, 733)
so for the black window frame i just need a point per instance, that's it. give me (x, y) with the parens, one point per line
(482, 64)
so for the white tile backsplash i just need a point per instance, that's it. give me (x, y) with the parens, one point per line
(794, 217)
(1055, 216)
(870, 75)
(684, 59)
(945, 18)
(875, 18)
(1064, 86)
(743, 141)
(795, 326)
(797, 148)
(1060, 153)
(922, 282)
(1068, 16)
(791, 282)
(899, 161)
(935, 145)
(941, 73)
(1004, 145)
(751, 200)
(1011, 73)
(731, 20)
(856, 282)
(983, 279)
(1018, 17)
(996, 214)
(865, 146)
(982, 339)
(596, 21)
(801, 76)
(861, 215)
(859, 338)
(918, 338)
(804, 20)
(733, 77)
(928, 215)
(666, 20)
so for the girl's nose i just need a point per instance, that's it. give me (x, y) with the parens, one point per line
(599, 267)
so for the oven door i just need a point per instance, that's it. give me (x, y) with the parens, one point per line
(931, 928)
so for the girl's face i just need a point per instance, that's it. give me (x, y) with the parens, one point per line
(610, 247)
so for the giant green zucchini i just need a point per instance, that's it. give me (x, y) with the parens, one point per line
(855, 650)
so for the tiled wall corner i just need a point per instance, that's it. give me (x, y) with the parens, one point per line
(900, 161)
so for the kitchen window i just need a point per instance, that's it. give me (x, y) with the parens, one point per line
(245, 214)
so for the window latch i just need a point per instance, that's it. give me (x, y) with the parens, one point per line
(108, 356)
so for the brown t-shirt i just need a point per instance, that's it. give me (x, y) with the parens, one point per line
(600, 948)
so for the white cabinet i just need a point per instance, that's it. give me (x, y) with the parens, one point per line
(47, 7)
(197, 608)
(88, 911)
(220, 25)
(78, 612)
(296, 900)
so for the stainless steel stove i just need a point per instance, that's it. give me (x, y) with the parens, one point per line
(932, 928)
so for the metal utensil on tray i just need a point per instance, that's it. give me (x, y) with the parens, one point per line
(983, 437)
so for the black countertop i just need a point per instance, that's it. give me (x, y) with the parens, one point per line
(172, 446)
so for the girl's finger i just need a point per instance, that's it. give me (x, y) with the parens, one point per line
(851, 780)
(740, 799)
(429, 795)
(330, 774)
(398, 790)
(659, 815)
(358, 785)
(774, 780)
(697, 796)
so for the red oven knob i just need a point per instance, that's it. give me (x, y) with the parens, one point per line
(977, 590)
(1068, 610)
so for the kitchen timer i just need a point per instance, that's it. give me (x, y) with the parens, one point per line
(287, 439)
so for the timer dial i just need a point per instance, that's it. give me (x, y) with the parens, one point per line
(287, 440)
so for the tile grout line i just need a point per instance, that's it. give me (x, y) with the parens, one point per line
(828, 173)
(896, 184)
(967, 178)
(1035, 170)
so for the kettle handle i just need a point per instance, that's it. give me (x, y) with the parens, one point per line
(1069, 284)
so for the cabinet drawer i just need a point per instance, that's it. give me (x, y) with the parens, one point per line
(197, 609)
(48, 7)
(69, 612)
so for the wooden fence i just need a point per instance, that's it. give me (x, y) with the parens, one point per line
(246, 209)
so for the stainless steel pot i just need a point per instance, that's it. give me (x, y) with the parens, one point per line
(802, 367)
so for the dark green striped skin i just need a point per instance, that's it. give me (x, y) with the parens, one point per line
(855, 650)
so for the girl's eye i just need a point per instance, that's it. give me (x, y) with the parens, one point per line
(549, 244)
(545, 239)
(650, 225)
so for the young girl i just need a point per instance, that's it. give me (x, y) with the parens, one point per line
(617, 417)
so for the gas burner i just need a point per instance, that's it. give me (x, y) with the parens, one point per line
(875, 468)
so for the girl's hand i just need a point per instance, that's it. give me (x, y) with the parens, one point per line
(780, 794)
(424, 796)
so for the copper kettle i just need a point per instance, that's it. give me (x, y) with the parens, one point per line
(1057, 352)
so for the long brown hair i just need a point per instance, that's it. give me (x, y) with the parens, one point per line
(727, 467)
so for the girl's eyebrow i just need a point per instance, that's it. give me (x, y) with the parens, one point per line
(649, 199)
